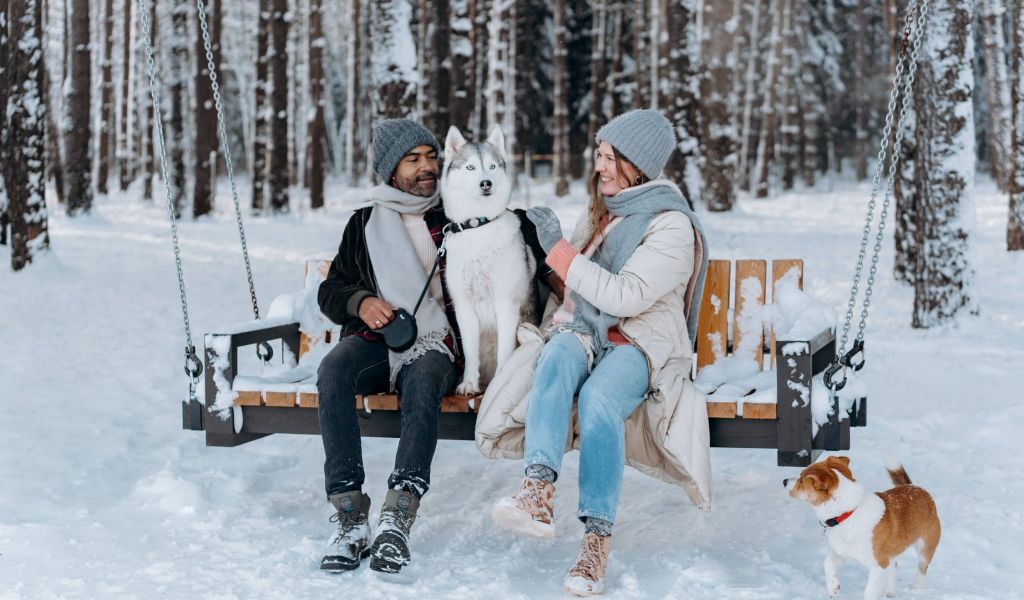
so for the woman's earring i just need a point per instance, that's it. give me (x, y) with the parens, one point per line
(638, 180)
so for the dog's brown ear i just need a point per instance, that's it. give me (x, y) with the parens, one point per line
(841, 464)
(845, 460)
(815, 482)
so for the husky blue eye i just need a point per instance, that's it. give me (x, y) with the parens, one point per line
(491, 167)
(470, 167)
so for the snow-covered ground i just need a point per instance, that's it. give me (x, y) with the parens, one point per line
(102, 495)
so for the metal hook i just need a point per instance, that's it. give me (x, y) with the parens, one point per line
(264, 352)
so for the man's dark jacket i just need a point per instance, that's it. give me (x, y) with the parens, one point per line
(351, 278)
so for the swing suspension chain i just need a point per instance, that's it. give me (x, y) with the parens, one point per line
(912, 39)
(193, 366)
(222, 133)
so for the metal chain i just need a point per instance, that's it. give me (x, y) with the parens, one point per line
(869, 218)
(904, 110)
(222, 133)
(193, 366)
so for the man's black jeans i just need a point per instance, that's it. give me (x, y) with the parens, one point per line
(357, 366)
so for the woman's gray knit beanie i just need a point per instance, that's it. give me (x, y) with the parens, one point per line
(644, 136)
(393, 139)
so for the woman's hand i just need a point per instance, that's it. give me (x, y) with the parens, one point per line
(375, 312)
(549, 229)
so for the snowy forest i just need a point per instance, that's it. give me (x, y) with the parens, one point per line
(765, 96)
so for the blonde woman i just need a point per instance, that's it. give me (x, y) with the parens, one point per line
(619, 337)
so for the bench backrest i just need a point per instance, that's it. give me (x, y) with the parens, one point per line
(724, 296)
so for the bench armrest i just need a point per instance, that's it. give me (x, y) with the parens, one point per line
(222, 355)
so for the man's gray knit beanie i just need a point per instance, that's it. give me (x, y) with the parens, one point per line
(393, 139)
(645, 137)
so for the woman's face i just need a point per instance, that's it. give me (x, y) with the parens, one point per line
(606, 167)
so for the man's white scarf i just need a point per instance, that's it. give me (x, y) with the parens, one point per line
(399, 272)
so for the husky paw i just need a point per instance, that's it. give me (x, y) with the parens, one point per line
(468, 388)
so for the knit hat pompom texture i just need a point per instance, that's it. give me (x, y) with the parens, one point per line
(644, 136)
(393, 139)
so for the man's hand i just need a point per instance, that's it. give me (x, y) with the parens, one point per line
(375, 312)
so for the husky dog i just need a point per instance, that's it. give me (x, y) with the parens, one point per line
(488, 273)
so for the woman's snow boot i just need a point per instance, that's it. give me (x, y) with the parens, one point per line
(586, 577)
(531, 511)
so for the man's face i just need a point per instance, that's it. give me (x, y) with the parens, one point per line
(416, 173)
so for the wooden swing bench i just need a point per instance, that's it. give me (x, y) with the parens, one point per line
(785, 425)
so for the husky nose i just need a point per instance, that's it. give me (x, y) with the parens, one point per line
(485, 185)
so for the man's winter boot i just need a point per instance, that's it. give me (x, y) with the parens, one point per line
(349, 543)
(390, 550)
(531, 511)
(586, 577)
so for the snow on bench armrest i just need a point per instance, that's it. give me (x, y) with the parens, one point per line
(253, 325)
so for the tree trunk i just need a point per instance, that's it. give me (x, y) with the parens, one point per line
(480, 11)
(316, 142)
(352, 167)
(150, 166)
(26, 109)
(718, 141)
(262, 109)
(205, 120)
(392, 59)
(107, 127)
(749, 95)
(5, 157)
(766, 141)
(179, 68)
(944, 274)
(813, 111)
(560, 167)
(997, 84)
(436, 81)
(1015, 223)
(78, 169)
(124, 153)
(460, 99)
(641, 26)
(598, 36)
(279, 176)
(861, 83)
(501, 76)
(789, 127)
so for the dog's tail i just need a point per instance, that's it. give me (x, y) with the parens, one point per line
(897, 473)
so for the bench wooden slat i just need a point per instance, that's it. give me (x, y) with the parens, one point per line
(759, 411)
(779, 270)
(251, 398)
(746, 269)
(722, 410)
(713, 321)
(283, 399)
(309, 399)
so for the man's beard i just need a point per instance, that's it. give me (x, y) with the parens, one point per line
(424, 185)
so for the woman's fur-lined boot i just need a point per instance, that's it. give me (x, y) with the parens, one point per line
(530, 512)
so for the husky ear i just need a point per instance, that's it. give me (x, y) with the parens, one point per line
(497, 139)
(453, 142)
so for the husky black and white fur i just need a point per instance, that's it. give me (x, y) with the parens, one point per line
(489, 267)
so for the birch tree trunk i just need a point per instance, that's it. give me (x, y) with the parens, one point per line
(316, 141)
(997, 84)
(463, 67)
(480, 11)
(26, 110)
(598, 38)
(205, 120)
(641, 40)
(813, 111)
(261, 133)
(279, 175)
(766, 139)
(125, 152)
(352, 167)
(944, 274)
(861, 92)
(436, 77)
(106, 126)
(178, 42)
(5, 158)
(149, 167)
(718, 142)
(749, 95)
(78, 169)
(561, 129)
(1015, 223)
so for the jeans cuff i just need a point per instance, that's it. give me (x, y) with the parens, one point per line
(583, 513)
(541, 459)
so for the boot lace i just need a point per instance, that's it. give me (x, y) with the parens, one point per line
(590, 562)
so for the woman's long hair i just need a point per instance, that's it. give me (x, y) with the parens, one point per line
(628, 174)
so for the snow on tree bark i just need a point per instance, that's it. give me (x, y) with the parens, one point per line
(561, 104)
(106, 125)
(205, 120)
(501, 74)
(316, 140)
(789, 126)
(861, 84)
(749, 95)
(279, 172)
(26, 109)
(718, 137)
(641, 39)
(766, 140)
(463, 67)
(944, 273)
(435, 67)
(997, 87)
(261, 133)
(678, 100)
(1015, 222)
(124, 149)
(78, 168)
(5, 160)
(179, 67)
(393, 60)
(352, 67)
(598, 56)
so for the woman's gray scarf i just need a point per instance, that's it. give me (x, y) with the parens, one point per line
(637, 206)
(399, 272)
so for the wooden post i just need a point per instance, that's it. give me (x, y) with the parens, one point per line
(793, 386)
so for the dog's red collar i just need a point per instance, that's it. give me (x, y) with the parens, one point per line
(837, 520)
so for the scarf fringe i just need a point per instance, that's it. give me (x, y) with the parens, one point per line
(433, 340)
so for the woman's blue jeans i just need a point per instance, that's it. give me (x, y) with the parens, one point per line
(607, 397)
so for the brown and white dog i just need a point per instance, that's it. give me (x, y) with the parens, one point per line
(869, 528)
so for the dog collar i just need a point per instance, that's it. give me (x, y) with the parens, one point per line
(470, 223)
(837, 520)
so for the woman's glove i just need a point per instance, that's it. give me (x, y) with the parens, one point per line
(549, 229)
